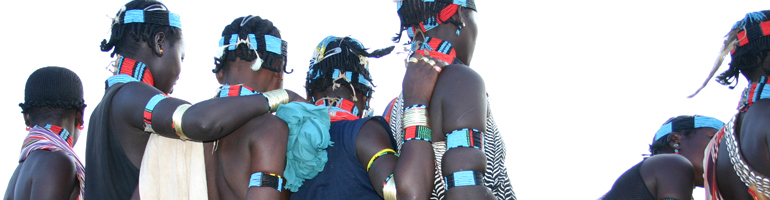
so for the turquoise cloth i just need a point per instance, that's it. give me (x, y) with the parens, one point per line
(308, 139)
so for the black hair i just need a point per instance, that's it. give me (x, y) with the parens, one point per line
(414, 12)
(747, 57)
(319, 77)
(52, 92)
(252, 25)
(682, 124)
(125, 38)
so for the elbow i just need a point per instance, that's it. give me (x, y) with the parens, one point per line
(197, 128)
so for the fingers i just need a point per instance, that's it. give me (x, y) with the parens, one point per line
(434, 63)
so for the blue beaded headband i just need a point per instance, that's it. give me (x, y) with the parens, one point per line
(697, 122)
(153, 17)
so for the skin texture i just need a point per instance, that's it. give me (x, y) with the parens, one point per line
(47, 174)
(669, 175)
(751, 130)
(258, 146)
(204, 121)
(413, 171)
(459, 101)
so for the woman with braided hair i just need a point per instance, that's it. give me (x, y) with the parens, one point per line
(469, 150)
(363, 163)
(138, 126)
(676, 165)
(737, 162)
(53, 111)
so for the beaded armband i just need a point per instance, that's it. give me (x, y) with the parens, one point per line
(148, 111)
(177, 120)
(261, 179)
(464, 178)
(378, 154)
(389, 188)
(417, 133)
(465, 138)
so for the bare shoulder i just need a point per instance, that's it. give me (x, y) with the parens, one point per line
(460, 75)
(667, 162)
(667, 169)
(266, 128)
(52, 169)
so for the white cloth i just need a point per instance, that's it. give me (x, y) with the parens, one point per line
(172, 169)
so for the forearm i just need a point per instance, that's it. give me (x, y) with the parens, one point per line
(414, 172)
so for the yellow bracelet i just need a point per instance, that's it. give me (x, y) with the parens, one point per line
(378, 154)
(177, 120)
(389, 189)
(275, 98)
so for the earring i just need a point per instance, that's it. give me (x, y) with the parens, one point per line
(676, 151)
(459, 28)
(676, 146)
(81, 127)
(161, 51)
(28, 128)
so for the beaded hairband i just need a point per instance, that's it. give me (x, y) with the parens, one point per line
(348, 76)
(443, 16)
(268, 42)
(693, 122)
(160, 17)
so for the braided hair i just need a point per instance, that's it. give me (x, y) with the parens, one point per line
(52, 92)
(414, 12)
(243, 26)
(346, 55)
(751, 46)
(126, 36)
(679, 126)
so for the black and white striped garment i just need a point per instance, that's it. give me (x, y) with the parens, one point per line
(496, 177)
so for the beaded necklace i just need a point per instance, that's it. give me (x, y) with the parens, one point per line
(61, 132)
(339, 108)
(130, 70)
(753, 93)
(235, 91)
(437, 48)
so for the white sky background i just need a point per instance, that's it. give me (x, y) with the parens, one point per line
(578, 88)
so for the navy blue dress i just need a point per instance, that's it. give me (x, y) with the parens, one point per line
(343, 176)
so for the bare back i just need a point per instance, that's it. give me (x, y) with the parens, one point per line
(44, 175)
(752, 129)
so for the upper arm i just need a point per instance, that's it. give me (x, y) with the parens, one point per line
(54, 175)
(131, 101)
(459, 102)
(371, 139)
(674, 176)
(268, 153)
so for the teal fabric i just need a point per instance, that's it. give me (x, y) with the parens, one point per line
(308, 139)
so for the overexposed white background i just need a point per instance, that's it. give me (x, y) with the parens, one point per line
(578, 88)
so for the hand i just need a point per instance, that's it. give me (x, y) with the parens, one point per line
(420, 79)
(293, 96)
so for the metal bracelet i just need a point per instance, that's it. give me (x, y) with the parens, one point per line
(416, 117)
(177, 120)
(389, 189)
(275, 98)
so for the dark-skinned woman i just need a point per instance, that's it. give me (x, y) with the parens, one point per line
(469, 150)
(737, 163)
(676, 164)
(136, 118)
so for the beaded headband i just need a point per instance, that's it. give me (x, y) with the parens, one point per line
(690, 122)
(156, 16)
(267, 42)
(440, 18)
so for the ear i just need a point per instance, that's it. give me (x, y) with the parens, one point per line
(159, 38)
(460, 15)
(675, 138)
(221, 76)
(26, 120)
(79, 118)
(279, 63)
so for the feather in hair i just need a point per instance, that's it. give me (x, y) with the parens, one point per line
(727, 47)
(751, 17)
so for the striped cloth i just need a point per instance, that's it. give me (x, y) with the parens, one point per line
(496, 176)
(43, 139)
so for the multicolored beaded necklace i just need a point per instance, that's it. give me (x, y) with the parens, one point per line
(130, 70)
(235, 91)
(753, 93)
(339, 108)
(437, 48)
(61, 132)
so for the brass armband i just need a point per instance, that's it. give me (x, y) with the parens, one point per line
(177, 120)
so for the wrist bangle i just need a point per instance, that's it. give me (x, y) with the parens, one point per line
(275, 98)
(389, 188)
(463, 178)
(176, 118)
(416, 116)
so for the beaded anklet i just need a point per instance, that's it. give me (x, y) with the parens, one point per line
(465, 138)
(463, 178)
(262, 179)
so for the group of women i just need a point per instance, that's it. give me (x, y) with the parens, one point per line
(254, 140)
(731, 160)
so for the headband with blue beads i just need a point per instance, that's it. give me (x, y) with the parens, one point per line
(690, 122)
(159, 17)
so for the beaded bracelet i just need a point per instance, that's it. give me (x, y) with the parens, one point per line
(378, 154)
(389, 188)
(465, 138)
(416, 116)
(463, 178)
(261, 179)
(275, 98)
(148, 111)
(417, 133)
(176, 118)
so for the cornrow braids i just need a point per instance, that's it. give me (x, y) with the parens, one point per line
(337, 57)
(128, 32)
(244, 28)
(427, 14)
(751, 46)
